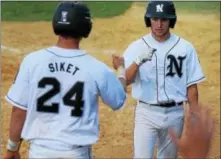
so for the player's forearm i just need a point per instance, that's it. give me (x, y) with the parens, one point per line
(131, 73)
(121, 72)
(16, 125)
(123, 83)
(192, 93)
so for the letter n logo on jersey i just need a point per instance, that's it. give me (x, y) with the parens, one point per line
(175, 63)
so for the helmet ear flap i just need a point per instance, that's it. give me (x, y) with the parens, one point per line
(172, 23)
(147, 21)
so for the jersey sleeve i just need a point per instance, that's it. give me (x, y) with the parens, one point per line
(110, 89)
(129, 55)
(194, 70)
(19, 90)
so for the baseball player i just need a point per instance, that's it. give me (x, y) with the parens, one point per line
(164, 71)
(55, 94)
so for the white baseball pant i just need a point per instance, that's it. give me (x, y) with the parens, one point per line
(151, 124)
(37, 151)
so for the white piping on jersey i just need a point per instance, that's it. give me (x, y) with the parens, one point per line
(165, 67)
(157, 78)
(190, 83)
(156, 70)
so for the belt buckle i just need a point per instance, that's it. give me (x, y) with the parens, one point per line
(163, 103)
(166, 102)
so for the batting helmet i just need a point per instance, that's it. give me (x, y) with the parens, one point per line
(72, 19)
(160, 9)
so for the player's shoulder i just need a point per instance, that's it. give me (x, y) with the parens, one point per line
(139, 41)
(96, 65)
(135, 46)
(97, 69)
(34, 56)
(186, 45)
(184, 42)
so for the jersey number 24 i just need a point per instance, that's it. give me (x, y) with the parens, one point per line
(76, 89)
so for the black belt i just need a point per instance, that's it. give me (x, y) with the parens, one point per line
(167, 105)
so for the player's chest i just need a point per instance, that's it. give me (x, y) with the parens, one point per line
(168, 64)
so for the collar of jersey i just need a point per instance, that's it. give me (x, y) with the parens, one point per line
(58, 51)
(164, 42)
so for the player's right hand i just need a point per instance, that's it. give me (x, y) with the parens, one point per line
(117, 61)
(198, 133)
(11, 155)
(145, 56)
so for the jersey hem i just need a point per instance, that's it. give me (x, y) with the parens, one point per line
(14, 103)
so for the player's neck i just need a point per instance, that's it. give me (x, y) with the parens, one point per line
(162, 38)
(68, 43)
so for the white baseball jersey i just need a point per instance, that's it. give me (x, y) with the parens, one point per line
(174, 67)
(59, 88)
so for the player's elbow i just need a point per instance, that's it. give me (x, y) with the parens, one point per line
(116, 100)
(119, 104)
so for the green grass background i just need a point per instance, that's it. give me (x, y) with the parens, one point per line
(195, 7)
(35, 11)
(43, 11)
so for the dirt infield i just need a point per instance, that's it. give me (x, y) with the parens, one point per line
(116, 136)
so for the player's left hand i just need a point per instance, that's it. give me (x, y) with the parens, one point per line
(117, 61)
(11, 155)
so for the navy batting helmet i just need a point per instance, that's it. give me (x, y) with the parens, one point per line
(161, 9)
(72, 19)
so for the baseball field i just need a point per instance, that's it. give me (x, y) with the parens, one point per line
(26, 27)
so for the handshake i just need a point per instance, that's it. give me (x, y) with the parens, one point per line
(118, 61)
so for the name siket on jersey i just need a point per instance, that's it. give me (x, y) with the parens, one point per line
(63, 67)
(59, 88)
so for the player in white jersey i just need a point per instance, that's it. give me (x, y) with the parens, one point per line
(164, 71)
(55, 94)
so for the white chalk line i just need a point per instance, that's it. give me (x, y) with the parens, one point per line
(10, 49)
(18, 51)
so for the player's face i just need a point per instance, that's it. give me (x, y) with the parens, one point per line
(160, 27)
